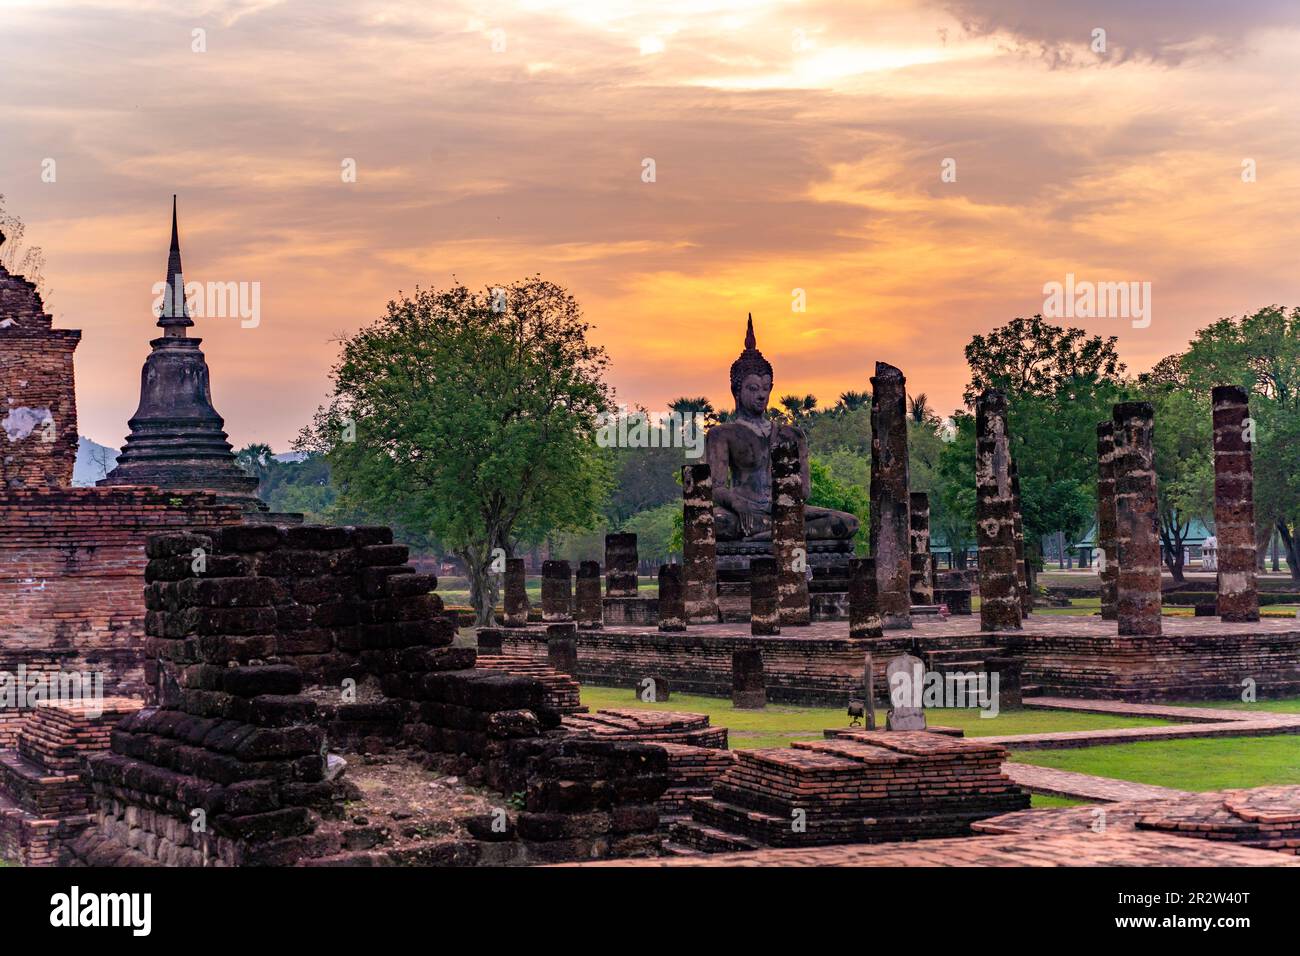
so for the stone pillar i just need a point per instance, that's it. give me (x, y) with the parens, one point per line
(1018, 528)
(890, 507)
(764, 608)
(620, 565)
(562, 648)
(1234, 504)
(1136, 516)
(864, 613)
(699, 546)
(789, 544)
(1109, 573)
(557, 596)
(920, 591)
(995, 516)
(672, 598)
(516, 596)
(748, 687)
(588, 606)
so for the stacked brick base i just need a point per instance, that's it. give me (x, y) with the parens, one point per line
(44, 803)
(861, 787)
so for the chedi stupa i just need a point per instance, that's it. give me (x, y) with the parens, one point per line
(177, 440)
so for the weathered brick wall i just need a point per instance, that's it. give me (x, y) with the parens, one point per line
(38, 405)
(799, 670)
(72, 567)
(1208, 666)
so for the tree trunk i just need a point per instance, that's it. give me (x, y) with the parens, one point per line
(1290, 543)
(1172, 538)
(482, 585)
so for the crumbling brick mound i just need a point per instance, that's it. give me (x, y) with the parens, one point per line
(563, 693)
(864, 786)
(649, 726)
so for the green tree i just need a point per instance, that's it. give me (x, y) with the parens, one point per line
(825, 491)
(472, 416)
(1060, 383)
(1183, 456)
(1261, 353)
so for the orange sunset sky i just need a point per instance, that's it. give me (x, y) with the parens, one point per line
(796, 146)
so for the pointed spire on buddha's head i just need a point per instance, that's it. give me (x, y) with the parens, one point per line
(174, 319)
(750, 362)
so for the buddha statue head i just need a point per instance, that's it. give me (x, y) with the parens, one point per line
(751, 378)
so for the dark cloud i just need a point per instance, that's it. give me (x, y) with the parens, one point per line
(1164, 30)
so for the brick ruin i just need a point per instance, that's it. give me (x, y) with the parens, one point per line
(891, 520)
(248, 714)
(699, 545)
(1106, 531)
(789, 540)
(1136, 521)
(1000, 599)
(1234, 504)
(71, 559)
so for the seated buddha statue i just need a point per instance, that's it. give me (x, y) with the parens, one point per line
(739, 453)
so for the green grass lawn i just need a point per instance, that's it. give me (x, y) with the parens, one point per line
(1040, 801)
(455, 591)
(778, 725)
(1205, 764)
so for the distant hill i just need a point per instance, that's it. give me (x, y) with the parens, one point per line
(94, 461)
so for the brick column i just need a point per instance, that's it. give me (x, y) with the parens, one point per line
(789, 543)
(620, 565)
(1018, 529)
(864, 613)
(588, 606)
(1136, 513)
(672, 598)
(995, 516)
(890, 508)
(1106, 519)
(921, 582)
(562, 647)
(1234, 505)
(516, 596)
(748, 685)
(764, 608)
(699, 546)
(557, 596)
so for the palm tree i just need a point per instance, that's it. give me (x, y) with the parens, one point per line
(919, 408)
(798, 408)
(852, 401)
(685, 405)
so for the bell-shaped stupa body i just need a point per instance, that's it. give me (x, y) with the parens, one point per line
(178, 441)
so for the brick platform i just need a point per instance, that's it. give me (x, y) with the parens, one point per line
(1266, 818)
(1112, 849)
(859, 787)
(44, 804)
(820, 665)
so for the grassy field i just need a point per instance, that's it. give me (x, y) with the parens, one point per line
(1206, 764)
(1210, 764)
(778, 725)
(455, 591)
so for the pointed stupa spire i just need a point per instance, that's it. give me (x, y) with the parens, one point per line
(174, 318)
(749, 333)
